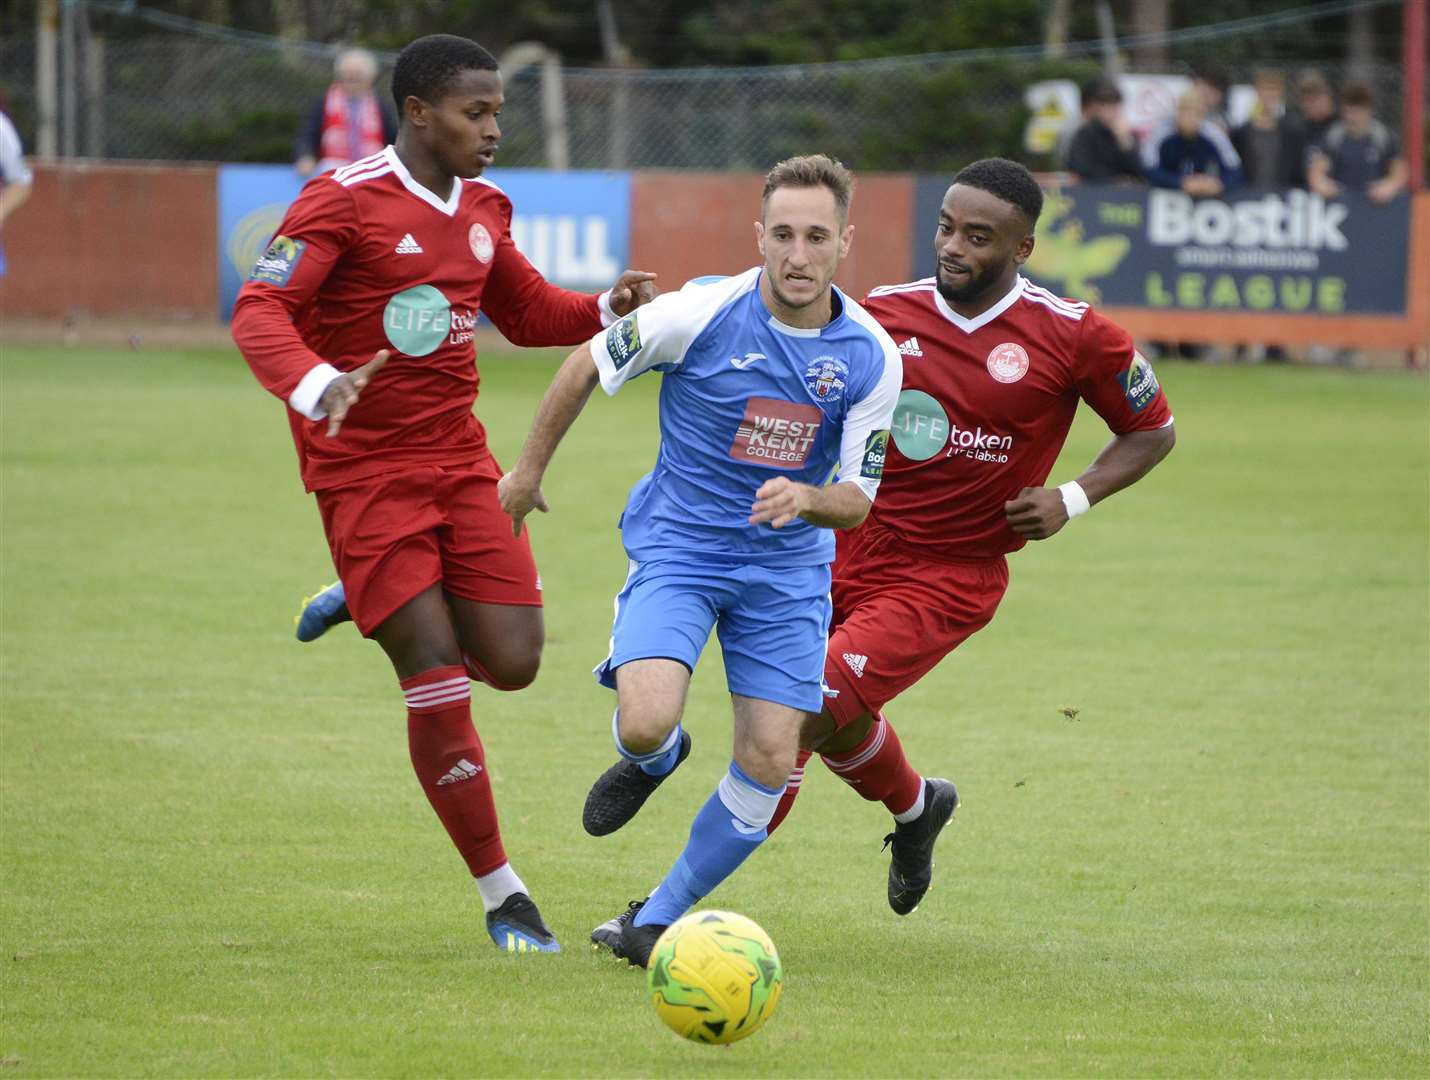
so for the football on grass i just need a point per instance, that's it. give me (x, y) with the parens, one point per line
(714, 977)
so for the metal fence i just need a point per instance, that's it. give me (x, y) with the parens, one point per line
(142, 93)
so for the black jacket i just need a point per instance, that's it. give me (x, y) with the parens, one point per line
(1290, 169)
(1095, 154)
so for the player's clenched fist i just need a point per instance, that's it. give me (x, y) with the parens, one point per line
(632, 289)
(518, 497)
(1036, 513)
(779, 501)
(342, 393)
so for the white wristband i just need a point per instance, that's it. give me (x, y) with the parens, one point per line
(307, 396)
(603, 304)
(1074, 498)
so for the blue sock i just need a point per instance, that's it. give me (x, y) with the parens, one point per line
(729, 826)
(660, 760)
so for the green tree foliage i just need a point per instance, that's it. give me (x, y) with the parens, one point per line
(920, 117)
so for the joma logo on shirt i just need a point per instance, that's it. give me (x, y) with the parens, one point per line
(777, 434)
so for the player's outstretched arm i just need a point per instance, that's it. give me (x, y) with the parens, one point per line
(836, 506)
(531, 311)
(520, 489)
(1038, 513)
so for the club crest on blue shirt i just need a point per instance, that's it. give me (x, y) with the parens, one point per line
(826, 378)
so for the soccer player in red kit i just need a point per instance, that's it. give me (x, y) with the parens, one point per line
(994, 367)
(360, 316)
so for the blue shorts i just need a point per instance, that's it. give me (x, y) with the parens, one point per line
(773, 625)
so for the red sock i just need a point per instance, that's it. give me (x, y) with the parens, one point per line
(878, 770)
(791, 790)
(447, 758)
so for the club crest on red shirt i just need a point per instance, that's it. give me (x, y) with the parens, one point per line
(481, 242)
(1008, 362)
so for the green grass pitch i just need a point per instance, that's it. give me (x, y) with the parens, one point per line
(216, 861)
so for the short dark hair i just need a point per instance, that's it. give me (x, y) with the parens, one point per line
(428, 64)
(1358, 93)
(813, 170)
(1006, 180)
(1213, 75)
(1312, 81)
(1100, 92)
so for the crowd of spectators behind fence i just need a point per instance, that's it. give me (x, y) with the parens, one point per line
(1305, 144)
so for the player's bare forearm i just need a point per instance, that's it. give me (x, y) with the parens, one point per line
(564, 399)
(520, 489)
(1038, 513)
(1125, 460)
(836, 506)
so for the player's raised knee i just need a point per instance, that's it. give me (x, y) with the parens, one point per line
(644, 730)
(509, 670)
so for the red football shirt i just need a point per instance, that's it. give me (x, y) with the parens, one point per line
(987, 404)
(368, 259)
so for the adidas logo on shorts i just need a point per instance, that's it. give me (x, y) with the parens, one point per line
(856, 663)
(463, 770)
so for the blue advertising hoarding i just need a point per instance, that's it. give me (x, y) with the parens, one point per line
(573, 226)
(251, 202)
(1289, 252)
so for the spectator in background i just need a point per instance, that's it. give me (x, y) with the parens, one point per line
(1358, 152)
(16, 179)
(1212, 84)
(1198, 94)
(1271, 144)
(1196, 156)
(1104, 146)
(1316, 105)
(349, 121)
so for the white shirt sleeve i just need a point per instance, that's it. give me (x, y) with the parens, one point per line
(865, 441)
(1152, 144)
(655, 335)
(12, 158)
(1218, 137)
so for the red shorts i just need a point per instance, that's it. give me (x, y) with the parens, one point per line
(396, 535)
(896, 615)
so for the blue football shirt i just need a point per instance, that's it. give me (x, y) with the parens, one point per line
(745, 398)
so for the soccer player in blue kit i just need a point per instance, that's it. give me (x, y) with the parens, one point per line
(772, 379)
